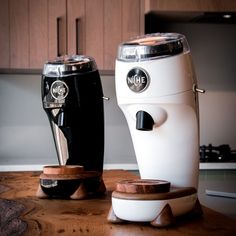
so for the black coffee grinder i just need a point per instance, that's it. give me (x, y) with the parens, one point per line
(72, 97)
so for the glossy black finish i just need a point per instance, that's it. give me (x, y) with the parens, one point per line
(59, 188)
(79, 116)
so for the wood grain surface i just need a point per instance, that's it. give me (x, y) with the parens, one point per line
(89, 217)
(65, 170)
(143, 186)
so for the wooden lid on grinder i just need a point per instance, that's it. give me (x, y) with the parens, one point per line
(143, 186)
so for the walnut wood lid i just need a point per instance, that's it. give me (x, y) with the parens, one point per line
(68, 172)
(143, 186)
(82, 175)
(63, 170)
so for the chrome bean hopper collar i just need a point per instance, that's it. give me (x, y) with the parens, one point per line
(152, 46)
(68, 65)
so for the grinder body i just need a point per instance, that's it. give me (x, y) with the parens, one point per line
(154, 85)
(72, 97)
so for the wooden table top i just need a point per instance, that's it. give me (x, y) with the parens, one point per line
(88, 217)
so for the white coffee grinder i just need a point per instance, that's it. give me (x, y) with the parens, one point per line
(157, 91)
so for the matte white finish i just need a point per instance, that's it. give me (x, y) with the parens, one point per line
(148, 210)
(168, 76)
(171, 150)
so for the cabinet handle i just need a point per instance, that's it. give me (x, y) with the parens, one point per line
(58, 36)
(77, 35)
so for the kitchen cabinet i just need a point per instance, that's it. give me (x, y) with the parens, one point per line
(33, 31)
(122, 20)
(85, 28)
(38, 34)
(96, 27)
(14, 38)
(28, 32)
(57, 28)
(190, 5)
(19, 33)
(4, 34)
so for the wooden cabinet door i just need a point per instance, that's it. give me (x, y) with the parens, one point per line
(57, 38)
(47, 31)
(94, 34)
(132, 19)
(96, 27)
(4, 34)
(122, 20)
(85, 28)
(76, 26)
(33, 31)
(38, 33)
(19, 33)
(112, 31)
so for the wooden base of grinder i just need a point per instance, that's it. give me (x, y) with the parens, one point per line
(69, 182)
(152, 201)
